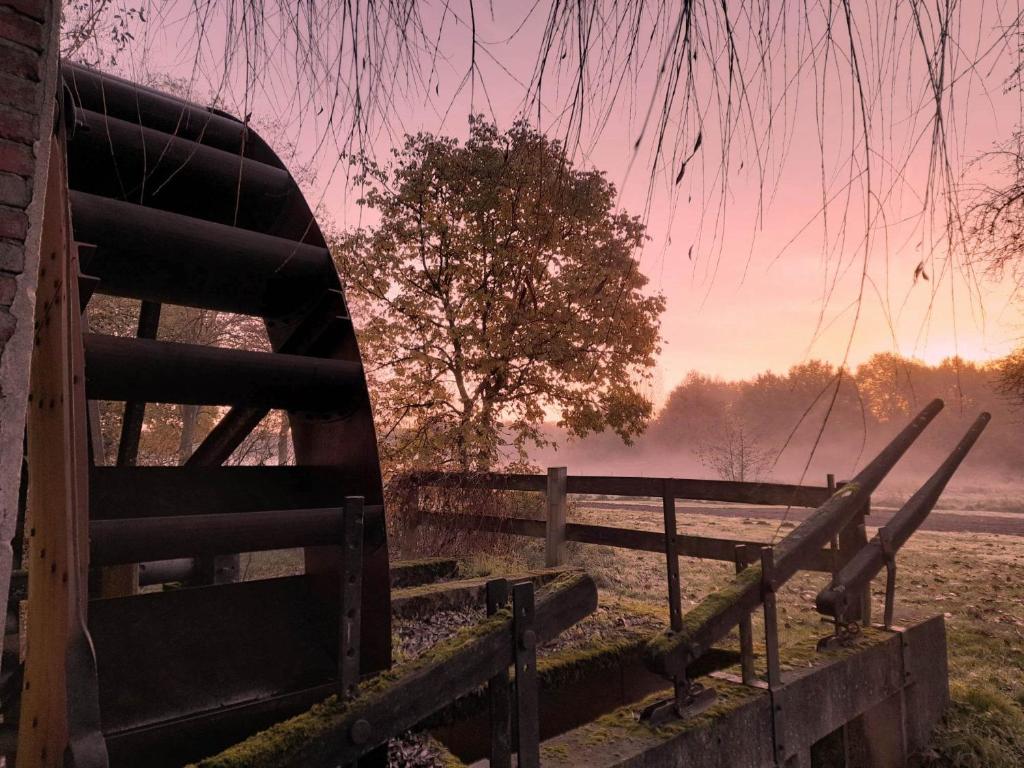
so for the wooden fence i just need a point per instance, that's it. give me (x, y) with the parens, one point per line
(556, 531)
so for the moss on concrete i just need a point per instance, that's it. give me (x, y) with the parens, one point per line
(624, 725)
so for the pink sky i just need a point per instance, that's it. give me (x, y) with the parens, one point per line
(753, 296)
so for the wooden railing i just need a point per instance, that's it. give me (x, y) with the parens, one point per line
(557, 484)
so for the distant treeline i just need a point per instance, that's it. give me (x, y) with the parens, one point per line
(818, 418)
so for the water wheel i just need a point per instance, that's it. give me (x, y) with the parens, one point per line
(159, 200)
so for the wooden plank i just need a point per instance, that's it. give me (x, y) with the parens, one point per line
(554, 543)
(327, 320)
(162, 257)
(458, 595)
(701, 490)
(862, 566)
(57, 658)
(168, 372)
(641, 487)
(341, 733)
(703, 547)
(131, 492)
(143, 539)
(177, 656)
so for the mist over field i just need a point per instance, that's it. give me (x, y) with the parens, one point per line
(765, 428)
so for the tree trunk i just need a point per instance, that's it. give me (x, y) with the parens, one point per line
(189, 417)
(283, 442)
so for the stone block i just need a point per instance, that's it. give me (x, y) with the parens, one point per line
(19, 28)
(16, 125)
(15, 190)
(12, 256)
(18, 92)
(8, 288)
(13, 223)
(16, 157)
(36, 9)
(19, 61)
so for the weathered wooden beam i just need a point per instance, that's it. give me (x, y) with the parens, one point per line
(428, 599)
(135, 410)
(132, 492)
(116, 97)
(704, 490)
(141, 539)
(671, 652)
(554, 542)
(327, 320)
(863, 567)
(644, 487)
(160, 256)
(167, 372)
(338, 732)
(703, 547)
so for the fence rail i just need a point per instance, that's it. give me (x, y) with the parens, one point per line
(778, 494)
(703, 547)
(557, 484)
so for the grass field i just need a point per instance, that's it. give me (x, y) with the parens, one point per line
(976, 581)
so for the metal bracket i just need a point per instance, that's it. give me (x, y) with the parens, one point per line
(524, 641)
(843, 636)
(691, 699)
(350, 597)
(499, 689)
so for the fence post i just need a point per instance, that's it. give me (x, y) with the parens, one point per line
(554, 546)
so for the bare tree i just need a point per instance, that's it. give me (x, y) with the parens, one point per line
(735, 454)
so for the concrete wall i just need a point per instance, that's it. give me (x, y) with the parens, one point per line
(28, 72)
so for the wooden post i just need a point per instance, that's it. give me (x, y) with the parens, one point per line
(498, 689)
(675, 601)
(746, 628)
(851, 539)
(350, 579)
(554, 549)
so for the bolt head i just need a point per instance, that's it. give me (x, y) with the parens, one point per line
(529, 640)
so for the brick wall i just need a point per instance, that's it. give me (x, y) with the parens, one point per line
(28, 75)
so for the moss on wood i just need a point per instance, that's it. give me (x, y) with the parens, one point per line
(669, 642)
(310, 736)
